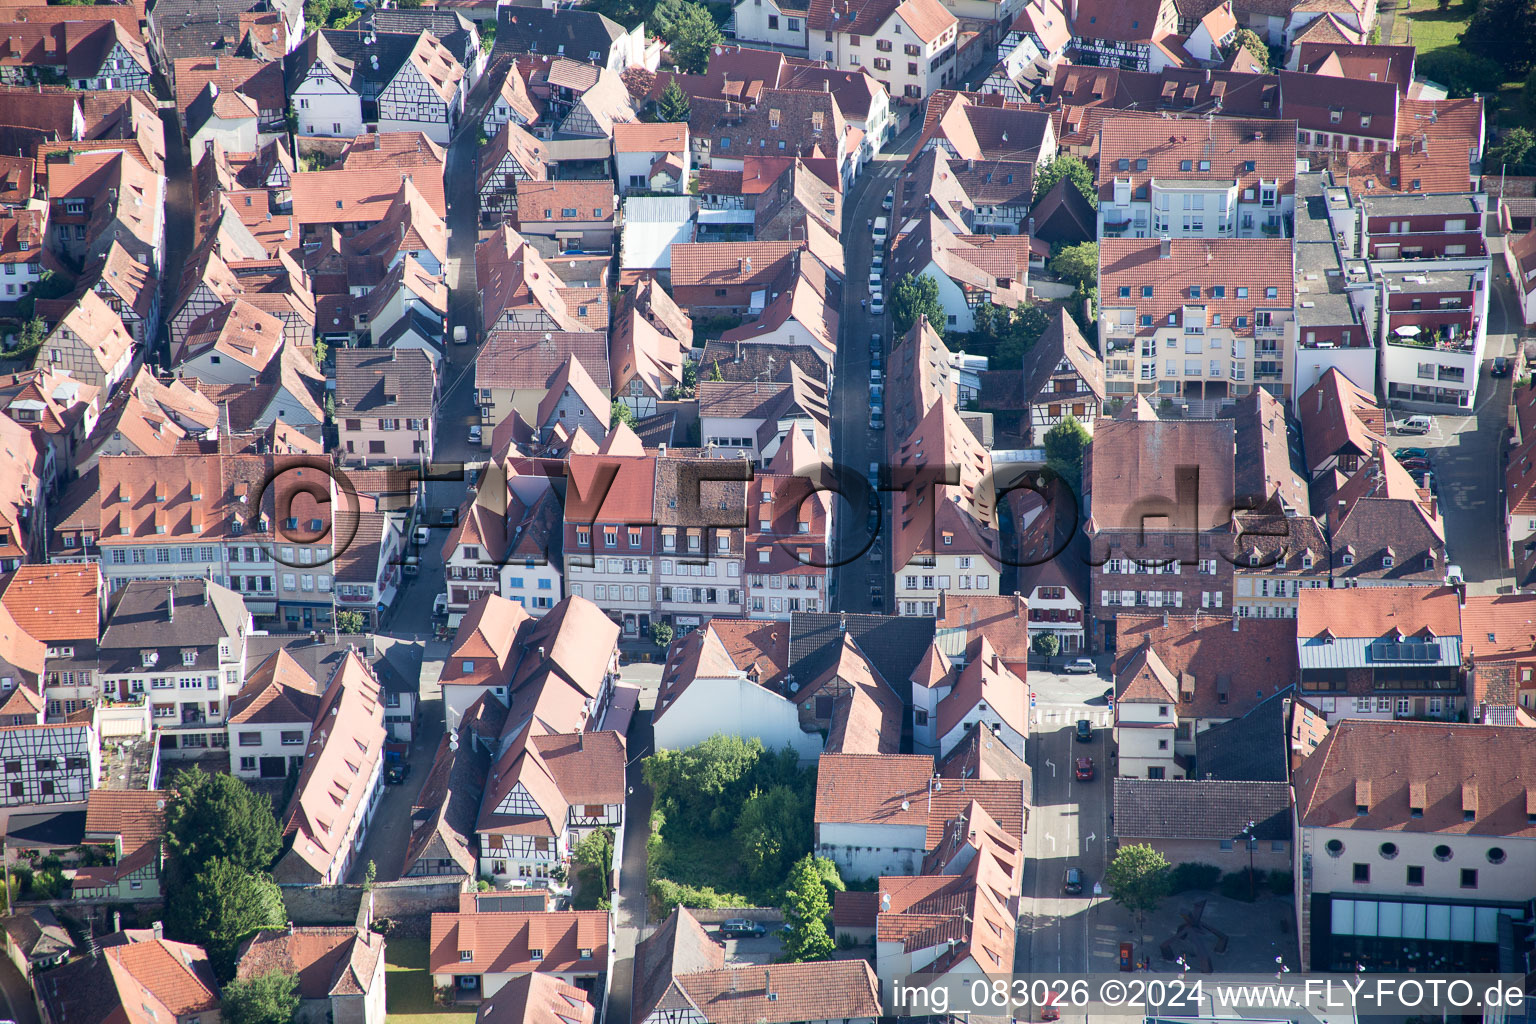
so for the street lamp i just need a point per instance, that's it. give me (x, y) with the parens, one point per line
(1250, 841)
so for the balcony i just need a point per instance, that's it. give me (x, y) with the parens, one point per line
(355, 598)
(1438, 339)
(1269, 331)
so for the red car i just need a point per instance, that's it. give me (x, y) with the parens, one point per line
(1085, 769)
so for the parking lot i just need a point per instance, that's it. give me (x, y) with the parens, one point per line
(762, 950)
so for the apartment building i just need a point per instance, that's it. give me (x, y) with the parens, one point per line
(653, 545)
(385, 402)
(169, 517)
(1412, 844)
(62, 606)
(945, 535)
(1135, 36)
(1217, 178)
(910, 47)
(1382, 652)
(788, 540)
(507, 542)
(1195, 319)
(180, 645)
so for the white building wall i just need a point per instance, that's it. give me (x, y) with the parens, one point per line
(325, 106)
(735, 707)
(869, 851)
(1512, 880)
(752, 26)
(271, 745)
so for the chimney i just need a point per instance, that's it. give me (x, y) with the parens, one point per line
(157, 929)
(1164, 248)
(842, 622)
(170, 603)
(1235, 620)
(826, 85)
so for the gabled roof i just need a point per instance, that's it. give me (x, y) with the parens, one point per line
(328, 961)
(537, 999)
(783, 992)
(1208, 809)
(1224, 671)
(278, 691)
(573, 375)
(1061, 341)
(678, 947)
(1421, 777)
(501, 943)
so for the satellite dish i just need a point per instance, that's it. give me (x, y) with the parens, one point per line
(718, 51)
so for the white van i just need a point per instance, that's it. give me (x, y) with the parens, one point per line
(880, 231)
(1414, 425)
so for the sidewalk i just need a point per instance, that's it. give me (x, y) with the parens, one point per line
(1255, 933)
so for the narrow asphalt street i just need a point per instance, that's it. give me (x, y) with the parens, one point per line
(180, 224)
(631, 918)
(1468, 454)
(860, 574)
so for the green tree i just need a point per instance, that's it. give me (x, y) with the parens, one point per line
(662, 20)
(222, 907)
(349, 622)
(1078, 263)
(621, 413)
(715, 374)
(30, 338)
(1504, 31)
(321, 351)
(1512, 147)
(661, 634)
(487, 36)
(694, 35)
(806, 909)
(913, 297)
(770, 829)
(595, 852)
(1047, 644)
(370, 875)
(673, 104)
(1064, 447)
(1067, 166)
(704, 786)
(1461, 72)
(1247, 37)
(1138, 879)
(217, 817)
(271, 998)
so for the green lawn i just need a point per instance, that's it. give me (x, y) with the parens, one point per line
(1433, 29)
(408, 991)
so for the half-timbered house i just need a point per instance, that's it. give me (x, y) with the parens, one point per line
(90, 344)
(1063, 377)
(426, 94)
(513, 156)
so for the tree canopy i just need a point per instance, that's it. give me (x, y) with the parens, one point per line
(913, 297)
(1504, 31)
(1079, 263)
(693, 36)
(1009, 333)
(806, 908)
(271, 998)
(222, 907)
(1247, 37)
(1462, 72)
(1138, 878)
(1066, 166)
(217, 816)
(673, 104)
(1512, 147)
(772, 827)
(620, 412)
(1065, 444)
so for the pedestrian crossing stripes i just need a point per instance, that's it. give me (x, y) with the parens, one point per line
(1101, 718)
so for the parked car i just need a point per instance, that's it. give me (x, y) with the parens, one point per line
(1084, 731)
(1415, 465)
(397, 773)
(460, 334)
(874, 474)
(878, 261)
(475, 434)
(448, 517)
(1410, 453)
(1072, 882)
(1080, 666)
(874, 359)
(875, 341)
(874, 280)
(877, 304)
(889, 200)
(422, 534)
(876, 420)
(876, 391)
(440, 606)
(1500, 367)
(875, 376)
(1084, 769)
(740, 928)
(1414, 425)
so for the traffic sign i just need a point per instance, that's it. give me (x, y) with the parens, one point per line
(1031, 698)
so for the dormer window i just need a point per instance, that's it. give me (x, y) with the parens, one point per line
(586, 954)
(466, 955)
(1306, 560)
(468, 665)
(189, 656)
(535, 954)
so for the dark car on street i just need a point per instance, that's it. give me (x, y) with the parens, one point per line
(1084, 731)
